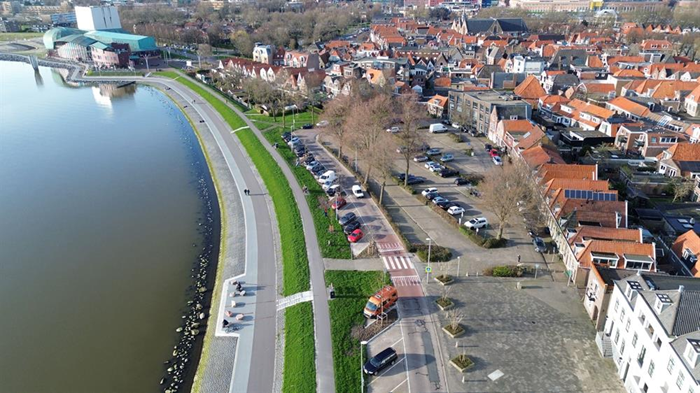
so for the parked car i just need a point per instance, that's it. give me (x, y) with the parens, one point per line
(447, 172)
(318, 171)
(351, 227)
(455, 125)
(322, 123)
(331, 191)
(338, 203)
(328, 184)
(357, 191)
(455, 210)
(443, 204)
(420, 158)
(435, 167)
(494, 153)
(488, 147)
(327, 176)
(432, 195)
(393, 129)
(461, 181)
(433, 152)
(479, 222)
(437, 128)
(497, 160)
(415, 180)
(439, 199)
(286, 136)
(380, 362)
(429, 164)
(348, 218)
(429, 191)
(447, 158)
(294, 139)
(355, 236)
(539, 244)
(307, 126)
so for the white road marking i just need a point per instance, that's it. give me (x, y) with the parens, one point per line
(397, 386)
(397, 341)
(239, 128)
(388, 369)
(405, 281)
(397, 263)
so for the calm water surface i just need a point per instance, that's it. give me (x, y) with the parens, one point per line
(99, 212)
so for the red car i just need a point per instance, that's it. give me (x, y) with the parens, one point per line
(494, 153)
(338, 203)
(355, 236)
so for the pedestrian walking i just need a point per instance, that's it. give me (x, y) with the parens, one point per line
(518, 258)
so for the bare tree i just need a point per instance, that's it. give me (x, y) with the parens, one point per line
(384, 160)
(336, 114)
(410, 139)
(681, 188)
(313, 80)
(374, 116)
(454, 317)
(505, 189)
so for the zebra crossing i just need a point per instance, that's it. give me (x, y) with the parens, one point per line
(406, 281)
(389, 247)
(397, 263)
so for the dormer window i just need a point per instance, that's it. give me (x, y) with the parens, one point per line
(632, 286)
(689, 255)
(692, 352)
(663, 301)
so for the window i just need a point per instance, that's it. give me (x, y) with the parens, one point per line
(671, 365)
(651, 368)
(617, 305)
(643, 318)
(622, 348)
(627, 326)
(622, 315)
(617, 336)
(680, 380)
(658, 342)
(634, 340)
(642, 354)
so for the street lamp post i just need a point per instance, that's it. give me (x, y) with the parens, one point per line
(362, 363)
(460, 218)
(430, 242)
(458, 261)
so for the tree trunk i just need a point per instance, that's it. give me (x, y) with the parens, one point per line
(381, 192)
(405, 180)
(369, 170)
(499, 234)
(311, 108)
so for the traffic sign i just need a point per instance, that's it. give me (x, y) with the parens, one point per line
(428, 269)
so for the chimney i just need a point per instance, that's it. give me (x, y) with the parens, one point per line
(681, 288)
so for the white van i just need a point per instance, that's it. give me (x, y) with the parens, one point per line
(357, 191)
(327, 176)
(437, 128)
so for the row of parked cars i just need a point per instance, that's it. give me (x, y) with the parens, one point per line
(329, 183)
(453, 208)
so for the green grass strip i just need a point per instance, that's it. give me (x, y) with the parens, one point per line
(299, 350)
(333, 244)
(352, 289)
(296, 264)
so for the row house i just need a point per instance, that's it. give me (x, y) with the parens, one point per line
(645, 140)
(518, 134)
(692, 102)
(587, 116)
(296, 59)
(681, 160)
(686, 248)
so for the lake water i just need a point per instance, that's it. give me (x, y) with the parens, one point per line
(100, 213)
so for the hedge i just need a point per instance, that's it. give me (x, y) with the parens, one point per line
(437, 253)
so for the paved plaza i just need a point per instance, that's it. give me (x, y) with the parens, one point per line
(538, 337)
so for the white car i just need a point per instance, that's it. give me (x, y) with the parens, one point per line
(455, 210)
(322, 123)
(497, 160)
(428, 191)
(476, 223)
(393, 129)
(357, 191)
(328, 184)
(436, 167)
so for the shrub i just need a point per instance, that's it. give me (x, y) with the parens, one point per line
(492, 242)
(437, 253)
(473, 236)
(457, 138)
(444, 302)
(473, 178)
(504, 271)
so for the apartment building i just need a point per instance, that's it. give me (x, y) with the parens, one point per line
(652, 333)
(484, 109)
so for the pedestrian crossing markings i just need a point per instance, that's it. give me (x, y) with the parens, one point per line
(405, 281)
(396, 263)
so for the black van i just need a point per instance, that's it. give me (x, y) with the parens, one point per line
(379, 362)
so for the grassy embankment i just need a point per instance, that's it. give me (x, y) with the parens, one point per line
(19, 36)
(299, 365)
(333, 244)
(352, 289)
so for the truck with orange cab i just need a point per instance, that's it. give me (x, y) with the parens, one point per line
(381, 302)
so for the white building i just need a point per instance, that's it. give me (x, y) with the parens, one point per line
(527, 65)
(97, 18)
(652, 333)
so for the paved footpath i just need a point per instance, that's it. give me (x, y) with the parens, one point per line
(255, 346)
